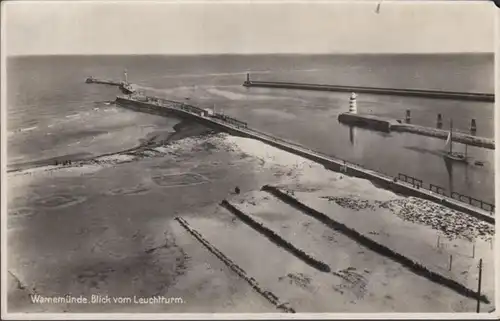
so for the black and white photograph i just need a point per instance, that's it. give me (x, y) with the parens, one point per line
(248, 159)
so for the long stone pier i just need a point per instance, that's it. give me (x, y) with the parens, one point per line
(171, 108)
(439, 94)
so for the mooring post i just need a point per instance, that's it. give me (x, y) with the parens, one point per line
(438, 241)
(408, 116)
(451, 261)
(479, 286)
(440, 121)
(473, 127)
(473, 250)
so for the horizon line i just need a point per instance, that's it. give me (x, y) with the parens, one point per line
(256, 54)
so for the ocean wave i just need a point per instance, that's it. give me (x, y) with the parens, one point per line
(58, 121)
(73, 144)
(28, 129)
(21, 130)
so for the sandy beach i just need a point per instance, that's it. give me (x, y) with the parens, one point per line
(105, 226)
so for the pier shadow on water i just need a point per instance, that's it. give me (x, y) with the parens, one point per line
(449, 169)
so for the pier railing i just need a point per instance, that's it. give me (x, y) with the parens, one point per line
(473, 201)
(411, 180)
(455, 195)
(437, 189)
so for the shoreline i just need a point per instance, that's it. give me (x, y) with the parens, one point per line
(183, 129)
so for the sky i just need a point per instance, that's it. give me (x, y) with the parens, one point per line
(144, 27)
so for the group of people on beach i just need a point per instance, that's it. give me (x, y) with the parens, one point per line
(64, 162)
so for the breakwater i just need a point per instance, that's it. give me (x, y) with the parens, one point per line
(413, 266)
(390, 125)
(124, 86)
(275, 238)
(92, 80)
(172, 108)
(485, 97)
(235, 268)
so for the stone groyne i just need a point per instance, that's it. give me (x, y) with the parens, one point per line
(408, 263)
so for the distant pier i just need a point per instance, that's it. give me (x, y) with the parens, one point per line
(438, 94)
(124, 85)
(92, 80)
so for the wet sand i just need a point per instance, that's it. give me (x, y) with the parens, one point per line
(156, 138)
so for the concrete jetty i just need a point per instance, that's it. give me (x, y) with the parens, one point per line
(167, 107)
(439, 94)
(389, 125)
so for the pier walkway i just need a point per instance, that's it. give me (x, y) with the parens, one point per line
(162, 106)
(439, 94)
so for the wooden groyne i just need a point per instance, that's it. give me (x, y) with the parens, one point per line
(275, 238)
(235, 268)
(408, 263)
(439, 94)
(388, 125)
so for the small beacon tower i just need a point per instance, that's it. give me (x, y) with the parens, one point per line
(353, 108)
(247, 82)
(125, 76)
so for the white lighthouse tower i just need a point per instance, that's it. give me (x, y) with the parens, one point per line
(125, 76)
(353, 108)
